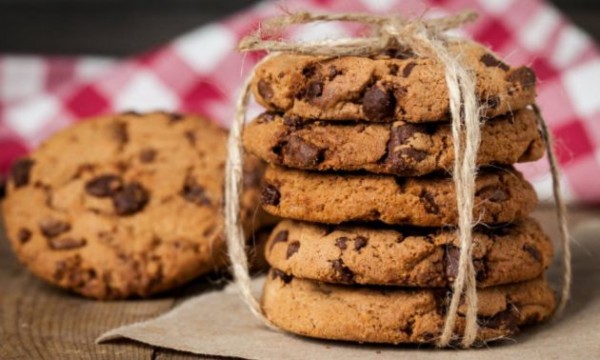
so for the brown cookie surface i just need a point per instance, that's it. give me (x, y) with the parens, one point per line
(501, 196)
(125, 205)
(416, 257)
(394, 86)
(396, 315)
(398, 148)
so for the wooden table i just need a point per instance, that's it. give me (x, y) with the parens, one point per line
(38, 321)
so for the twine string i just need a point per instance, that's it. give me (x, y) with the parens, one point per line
(424, 38)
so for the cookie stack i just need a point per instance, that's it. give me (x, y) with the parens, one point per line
(360, 152)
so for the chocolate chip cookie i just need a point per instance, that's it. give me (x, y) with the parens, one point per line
(398, 148)
(396, 315)
(125, 205)
(501, 196)
(397, 85)
(408, 256)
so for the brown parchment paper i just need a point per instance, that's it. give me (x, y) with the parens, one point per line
(218, 323)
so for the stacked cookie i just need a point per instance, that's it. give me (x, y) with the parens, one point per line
(360, 152)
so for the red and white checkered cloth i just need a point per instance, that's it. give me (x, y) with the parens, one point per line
(201, 72)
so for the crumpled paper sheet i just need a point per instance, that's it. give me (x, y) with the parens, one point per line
(218, 323)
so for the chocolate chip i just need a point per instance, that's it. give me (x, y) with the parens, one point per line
(491, 102)
(264, 89)
(314, 89)
(265, 118)
(343, 273)
(493, 193)
(378, 104)
(301, 153)
(66, 243)
(429, 202)
(147, 155)
(281, 236)
(51, 228)
(270, 195)
(194, 192)
(120, 133)
(2, 186)
(24, 235)
(408, 327)
(332, 73)
(360, 242)
(400, 238)
(309, 70)
(130, 199)
(20, 171)
(293, 121)
(104, 185)
(393, 69)
(523, 76)
(490, 60)
(533, 251)
(174, 117)
(276, 273)
(341, 242)
(506, 320)
(408, 69)
(293, 248)
(190, 135)
(451, 260)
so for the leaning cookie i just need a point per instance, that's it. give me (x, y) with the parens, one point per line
(406, 256)
(398, 85)
(501, 196)
(397, 148)
(125, 205)
(396, 315)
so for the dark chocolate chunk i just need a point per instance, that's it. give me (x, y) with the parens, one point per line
(378, 104)
(264, 89)
(341, 242)
(393, 69)
(281, 236)
(343, 273)
(293, 121)
(147, 155)
(51, 228)
(429, 202)
(309, 70)
(408, 69)
(293, 248)
(20, 171)
(66, 243)
(194, 192)
(174, 117)
(130, 199)
(451, 259)
(506, 320)
(104, 185)
(314, 89)
(491, 102)
(24, 235)
(190, 135)
(360, 242)
(523, 76)
(301, 153)
(533, 251)
(332, 72)
(120, 133)
(490, 60)
(493, 193)
(270, 195)
(276, 273)
(265, 118)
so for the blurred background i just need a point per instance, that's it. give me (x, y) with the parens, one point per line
(126, 27)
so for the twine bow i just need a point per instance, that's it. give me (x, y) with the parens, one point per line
(424, 38)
